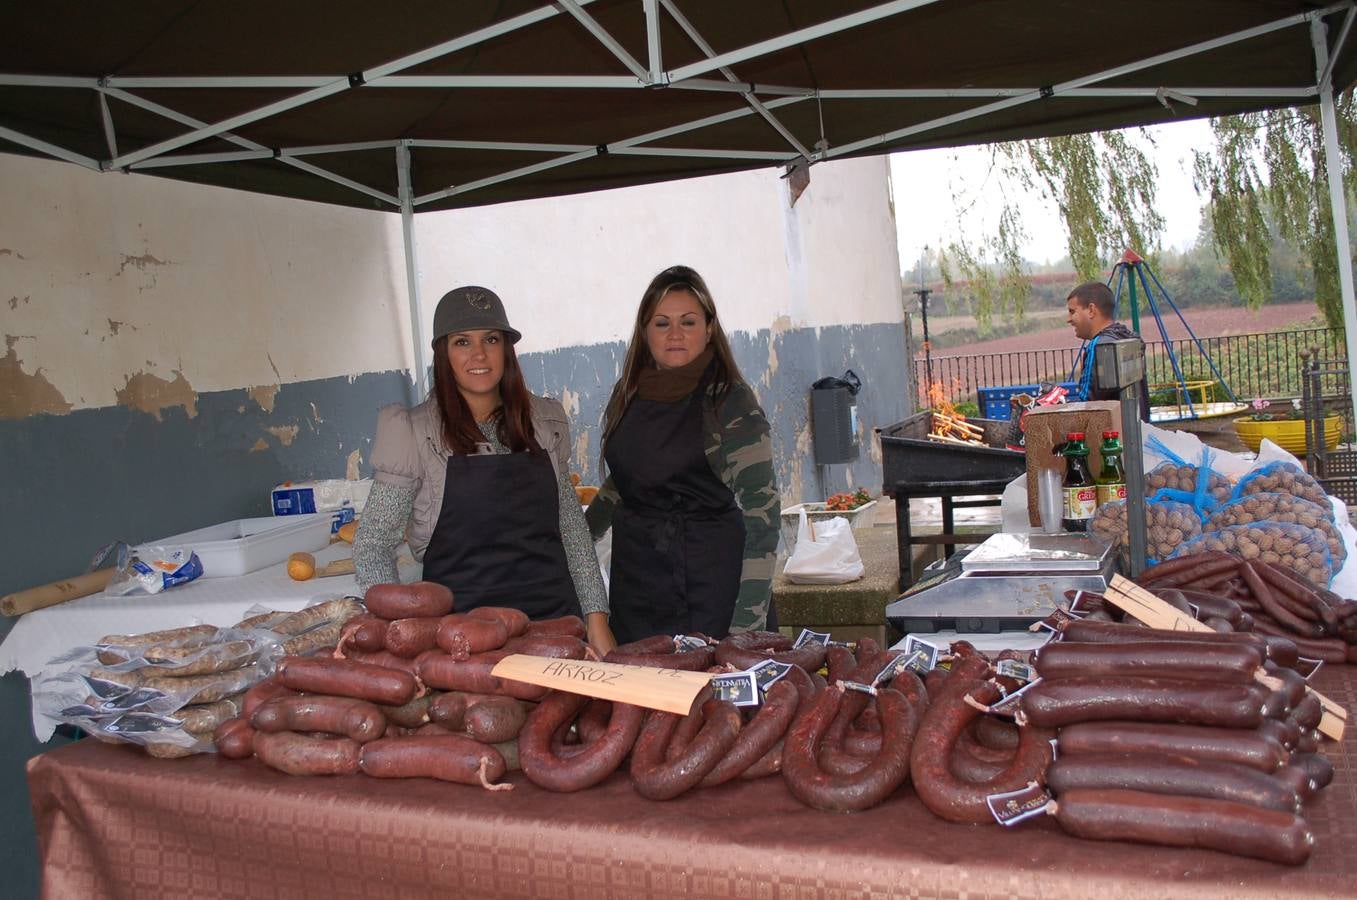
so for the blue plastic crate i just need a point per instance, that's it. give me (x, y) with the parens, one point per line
(995, 401)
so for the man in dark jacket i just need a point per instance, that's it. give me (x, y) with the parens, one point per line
(1090, 312)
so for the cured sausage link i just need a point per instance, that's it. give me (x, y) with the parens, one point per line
(403, 601)
(953, 798)
(1276, 650)
(1067, 701)
(588, 766)
(759, 735)
(657, 779)
(346, 678)
(358, 720)
(1232, 663)
(1185, 822)
(749, 648)
(447, 757)
(1245, 747)
(875, 781)
(298, 754)
(1175, 775)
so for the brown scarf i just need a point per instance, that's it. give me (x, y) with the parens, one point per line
(669, 385)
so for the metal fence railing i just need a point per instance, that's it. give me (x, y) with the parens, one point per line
(1254, 365)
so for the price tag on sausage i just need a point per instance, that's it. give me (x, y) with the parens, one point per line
(1082, 601)
(669, 690)
(1009, 705)
(739, 688)
(1308, 667)
(810, 637)
(931, 652)
(1011, 668)
(1055, 621)
(916, 661)
(1012, 807)
(768, 672)
(684, 643)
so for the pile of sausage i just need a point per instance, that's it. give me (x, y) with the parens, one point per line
(407, 692)
(203, 671)
(1233, 594)
(1179, 738)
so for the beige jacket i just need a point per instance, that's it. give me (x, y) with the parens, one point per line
(408, 452)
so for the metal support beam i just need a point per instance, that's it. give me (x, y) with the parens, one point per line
(800, 36)
(32, 143)
(653, 51)
(201, 159)
(1333, 163)
(606, 39)
(191, 122)
(1081, 82)
(748, 89)
(1327, 74)
(110, 136)
(343, 84)
(419, 381)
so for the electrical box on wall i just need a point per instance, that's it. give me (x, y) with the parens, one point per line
(834, 419)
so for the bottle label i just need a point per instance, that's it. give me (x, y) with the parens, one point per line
(1110, 492)
(1080, 502)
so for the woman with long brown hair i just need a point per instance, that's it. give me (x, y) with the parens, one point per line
(479, 471)
(690, 495)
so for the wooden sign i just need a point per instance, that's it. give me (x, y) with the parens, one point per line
(1148, 608)
(1134, 599)
(669, 690)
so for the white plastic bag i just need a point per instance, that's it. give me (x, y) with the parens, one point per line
(829, 557)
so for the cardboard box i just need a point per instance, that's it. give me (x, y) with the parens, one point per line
(1046, 428)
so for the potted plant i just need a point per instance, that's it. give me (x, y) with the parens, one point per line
(1284, 425)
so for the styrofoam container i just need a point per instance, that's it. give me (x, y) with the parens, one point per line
(247, 545)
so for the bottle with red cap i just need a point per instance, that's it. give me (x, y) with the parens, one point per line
(1081, 492)
(1111, 478)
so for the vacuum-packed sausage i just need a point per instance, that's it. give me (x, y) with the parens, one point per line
(1066, 701)
(346, 678)
(446, 757)
(299, 754)
(657, 779)
(405, 601)
(1235, 745)
(356, 719)
(515, 621)
(596, 760)
(1177, 775)
(462, 636)
(1236, 828)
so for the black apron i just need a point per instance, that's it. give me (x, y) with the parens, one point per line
(497, 541)
(678, 535)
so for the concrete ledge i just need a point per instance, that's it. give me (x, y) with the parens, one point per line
(848, 611)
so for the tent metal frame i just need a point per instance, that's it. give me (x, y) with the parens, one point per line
(755, 100)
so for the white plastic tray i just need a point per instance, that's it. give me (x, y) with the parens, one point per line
(246, 545)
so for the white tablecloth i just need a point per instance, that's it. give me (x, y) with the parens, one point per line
(46, 633)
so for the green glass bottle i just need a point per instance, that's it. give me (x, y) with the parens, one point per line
(1111, 478)
(1081, 493)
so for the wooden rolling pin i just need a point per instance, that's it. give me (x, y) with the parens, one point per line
(46, 595)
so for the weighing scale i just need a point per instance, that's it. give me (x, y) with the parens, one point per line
(1006, 583)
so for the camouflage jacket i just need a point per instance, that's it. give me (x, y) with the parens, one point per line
(740, 452)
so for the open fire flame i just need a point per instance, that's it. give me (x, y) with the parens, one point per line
(948, 425)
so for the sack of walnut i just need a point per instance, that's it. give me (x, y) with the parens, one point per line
(1171, 481)
(1300, 548)
(1167, 525)
(1282, 507)
(1287, 478)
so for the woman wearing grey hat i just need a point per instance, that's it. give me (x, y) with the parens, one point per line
(690, 495)
(479, 471)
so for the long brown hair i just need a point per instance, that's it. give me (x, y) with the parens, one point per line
(725, 373)
(513, 419)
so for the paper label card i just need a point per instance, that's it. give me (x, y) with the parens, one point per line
(739, 688)
(810, 637)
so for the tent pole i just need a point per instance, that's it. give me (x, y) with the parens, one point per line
(417, 368)
(1334, 164)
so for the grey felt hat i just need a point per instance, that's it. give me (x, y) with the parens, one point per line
(471, 308)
